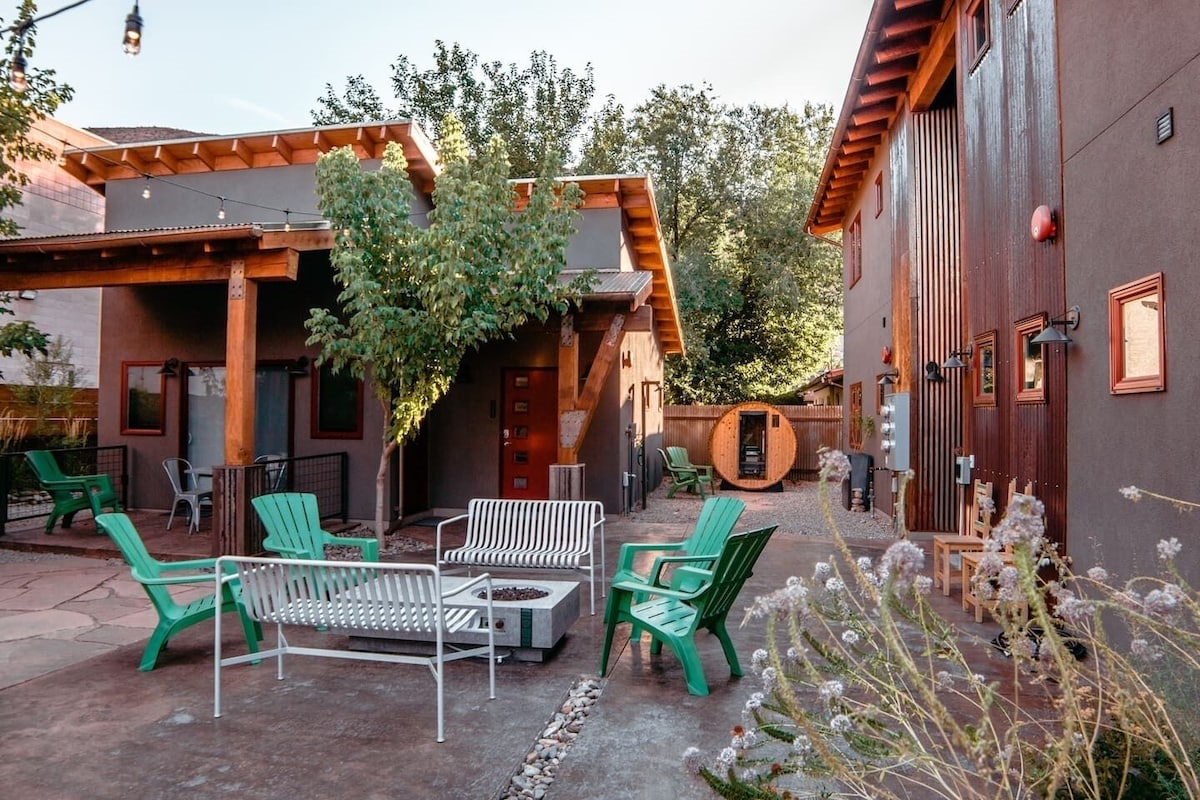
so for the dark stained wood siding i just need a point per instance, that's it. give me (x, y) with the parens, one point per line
(1011, 157)
(937, 312)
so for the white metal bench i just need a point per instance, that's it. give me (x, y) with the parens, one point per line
(530, 534)
(355, 596)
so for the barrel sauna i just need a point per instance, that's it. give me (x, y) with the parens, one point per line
(752, 446)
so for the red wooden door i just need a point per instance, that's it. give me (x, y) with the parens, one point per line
(529, 428)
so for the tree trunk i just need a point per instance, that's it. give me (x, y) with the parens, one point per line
(389, 447)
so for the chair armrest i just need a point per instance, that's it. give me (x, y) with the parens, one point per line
(195, 577)
(369, 547)
(194, 563)
(654, 577)
(285, 549)
(705, 469)
(630, 549)
(438, 537)
(662, 591)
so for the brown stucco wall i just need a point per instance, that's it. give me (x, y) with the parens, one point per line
(1130, 209)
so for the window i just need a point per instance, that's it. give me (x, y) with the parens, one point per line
(879, 194)
(337, 405)
(1031, 385)
(1137, 337)
(854, 252)
(143, 392)
(983, 369)
(978, 32)
(856, 422)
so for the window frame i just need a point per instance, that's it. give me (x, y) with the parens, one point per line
(977, 20)
(130, 430)
(315, 429)
(984, 342)
(854, 252)
(1025, 329)
(879, 194)
(1118, 298)
(856, 412)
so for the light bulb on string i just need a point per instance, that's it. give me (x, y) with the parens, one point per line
(221, 210)
(287, 220)
(132, 40)
(146, 190)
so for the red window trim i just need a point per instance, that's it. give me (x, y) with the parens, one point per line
(162, 400)
(1118, 383)
(1030, 326)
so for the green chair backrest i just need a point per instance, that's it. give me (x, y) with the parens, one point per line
(44, 465)
(121, 530)
(718, 516)
(293, 522)
(679, 456)
(730, 573)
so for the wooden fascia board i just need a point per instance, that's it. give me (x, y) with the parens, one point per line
(79, 272)
(936, 64)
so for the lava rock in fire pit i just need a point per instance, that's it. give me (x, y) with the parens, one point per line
(509, 594)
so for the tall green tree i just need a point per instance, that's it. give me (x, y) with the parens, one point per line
(19, 111)
(536, 109)
(415, 300)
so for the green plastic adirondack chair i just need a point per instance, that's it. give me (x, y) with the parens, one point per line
(717, 518)
(293, 524)
(155, 576)
(673, 615)
(71, 493)
(684, 474)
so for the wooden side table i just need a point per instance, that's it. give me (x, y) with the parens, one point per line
(971, 599)
(944, 548)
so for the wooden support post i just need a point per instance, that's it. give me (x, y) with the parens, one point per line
(567, 482)
(236, 527)
(568, 383)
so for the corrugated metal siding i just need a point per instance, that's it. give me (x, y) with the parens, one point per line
(1011, 158)
(937, 328)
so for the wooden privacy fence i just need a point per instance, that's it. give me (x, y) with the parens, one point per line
(815, 427)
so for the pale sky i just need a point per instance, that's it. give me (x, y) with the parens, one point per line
(238, 66)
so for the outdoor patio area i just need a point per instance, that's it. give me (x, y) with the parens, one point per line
(79, 719)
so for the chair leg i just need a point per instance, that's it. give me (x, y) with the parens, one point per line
(171, 518)
(718, 630)
(158, 640)
(693, 669)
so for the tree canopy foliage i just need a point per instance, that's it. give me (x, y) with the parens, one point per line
(415, 300)
(759, 298)
(19, 110)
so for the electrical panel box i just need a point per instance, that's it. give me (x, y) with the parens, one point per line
(962, 469)
(895, 431)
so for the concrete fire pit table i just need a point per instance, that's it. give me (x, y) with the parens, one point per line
(528, 627)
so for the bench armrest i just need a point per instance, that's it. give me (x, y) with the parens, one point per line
(483, 577)
(438, 538)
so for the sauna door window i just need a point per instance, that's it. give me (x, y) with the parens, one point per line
(752, 444)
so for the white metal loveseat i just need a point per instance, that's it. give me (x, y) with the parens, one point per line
(530, 534)
(355, 596)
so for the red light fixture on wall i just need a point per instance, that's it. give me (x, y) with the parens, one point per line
(1042, 226)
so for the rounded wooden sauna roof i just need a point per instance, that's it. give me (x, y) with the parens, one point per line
(752, 446)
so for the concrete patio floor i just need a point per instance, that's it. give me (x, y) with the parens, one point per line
(79, 720)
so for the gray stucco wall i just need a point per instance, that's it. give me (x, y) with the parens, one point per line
(1130, 210)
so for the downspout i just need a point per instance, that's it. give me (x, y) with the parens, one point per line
(820, 238)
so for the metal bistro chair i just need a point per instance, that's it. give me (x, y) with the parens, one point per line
(192, 495)
(276, 469)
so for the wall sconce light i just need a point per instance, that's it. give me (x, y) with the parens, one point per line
(170, 368)
(28, 294)
(955, 359)
(889, 378)
(932, 373)
(299, 367)
(1052, 335)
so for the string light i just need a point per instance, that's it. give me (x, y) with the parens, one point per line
(17, 77)
(287, 219)
(132, 40)
(221, 210)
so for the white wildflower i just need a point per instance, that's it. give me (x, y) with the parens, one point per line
(1131, 493)
(770, 679)
(693, 760)
(755, 702)
(834, 465)
(835, 585)
(841, 724)
(850, 637)
(831, 690)
(821, 571)
(1098, 574)
(759, 660)
(923, 584)
(1169, 548)
(864, 563)
(726, 759)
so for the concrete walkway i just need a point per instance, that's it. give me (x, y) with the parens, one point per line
(79, 720)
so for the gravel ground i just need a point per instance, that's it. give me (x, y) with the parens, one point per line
(797, 511)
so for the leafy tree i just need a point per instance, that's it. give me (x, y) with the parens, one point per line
(536, 109)
(415, 300)
(19, 110)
